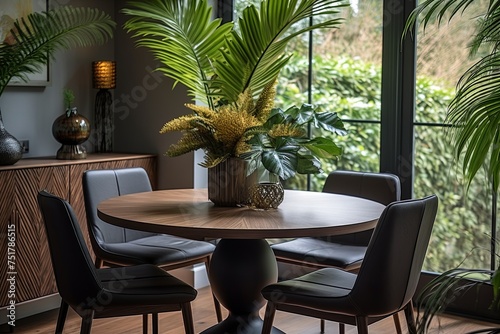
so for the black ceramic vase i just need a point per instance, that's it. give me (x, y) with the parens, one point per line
(11, 149)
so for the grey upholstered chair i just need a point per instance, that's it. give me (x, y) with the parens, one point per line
(385, 283)
(109, 292)
(115, 245)
(344, 251)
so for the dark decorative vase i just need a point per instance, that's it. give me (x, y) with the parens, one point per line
(228, 183)
(71, 130)
(11, 149)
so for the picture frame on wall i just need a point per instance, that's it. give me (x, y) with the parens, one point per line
(10, 11)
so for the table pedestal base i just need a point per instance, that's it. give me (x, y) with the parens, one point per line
(239, 325)
(239, 270)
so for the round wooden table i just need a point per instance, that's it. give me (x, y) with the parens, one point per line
(242, 263)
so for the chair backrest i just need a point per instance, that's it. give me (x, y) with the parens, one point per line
(384, 188)
(393, 261)
(74, 269)
(99, 185)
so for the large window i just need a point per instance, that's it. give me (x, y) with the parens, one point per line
(463, 226)
(394, 105)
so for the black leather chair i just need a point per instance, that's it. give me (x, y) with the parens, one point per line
(115, 245)
(386, 281)
(344, 251)
(109, 292)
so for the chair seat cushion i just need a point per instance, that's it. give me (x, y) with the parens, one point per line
(318, 251)
(145, 285)
(323, 289)
(158, 250)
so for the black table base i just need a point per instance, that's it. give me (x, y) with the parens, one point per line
(238, 271)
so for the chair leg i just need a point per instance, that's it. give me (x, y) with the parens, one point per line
(218, 310)
(87, 322)
(154, 323)
(322, 326)
(145, 323)
(397, 324)
(362, 325)
(61, 318)
(269, 318)
(341, 328)
(187, 317)
(410, 318)
(98, 262)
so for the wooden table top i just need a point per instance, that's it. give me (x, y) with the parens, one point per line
(189, 213)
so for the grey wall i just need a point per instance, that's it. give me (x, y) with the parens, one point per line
(144, 101)
(28, 112)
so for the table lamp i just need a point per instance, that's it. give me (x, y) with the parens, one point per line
(104, 79)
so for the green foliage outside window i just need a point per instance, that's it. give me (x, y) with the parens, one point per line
(350, 85)
(351, 88)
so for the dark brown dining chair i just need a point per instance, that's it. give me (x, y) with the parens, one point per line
(107, 292)
(343, 251)
(118, 246)
(385, 283)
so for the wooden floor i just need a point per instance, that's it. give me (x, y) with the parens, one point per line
(204, 317)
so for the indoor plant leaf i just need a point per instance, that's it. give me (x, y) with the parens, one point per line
(262, 39)
(308, 164)
(281, 158)
(186, 50)
(323, 147)
(213, 59)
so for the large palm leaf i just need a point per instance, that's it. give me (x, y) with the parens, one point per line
(211, 58)
(474, 113)
(183, 36)
(256, 53)
(40, 34)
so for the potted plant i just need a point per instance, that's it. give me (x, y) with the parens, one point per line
(474, 118)
(232, 72)
(38, 36)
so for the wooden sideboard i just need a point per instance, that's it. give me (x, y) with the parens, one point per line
(19, 186)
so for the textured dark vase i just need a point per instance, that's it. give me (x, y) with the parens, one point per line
(71, 129)
(228, 183)
(11, 149)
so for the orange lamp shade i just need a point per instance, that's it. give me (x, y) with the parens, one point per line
(104, 74)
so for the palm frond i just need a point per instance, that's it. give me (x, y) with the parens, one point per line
(436, 10)
(186, 50)
(260, 44)
(444, 289)
(488, 30)
(40, 34)
(474, 113)
(213, 60)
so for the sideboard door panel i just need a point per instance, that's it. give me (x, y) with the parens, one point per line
(32, 264)
(8, 186)
(19, 186)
